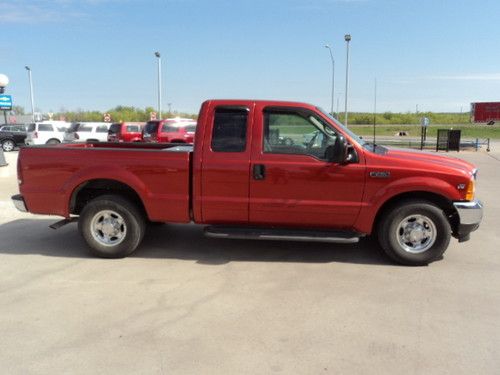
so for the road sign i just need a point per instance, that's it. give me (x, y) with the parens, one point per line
(6, 102)
(107, 117)
(152, 116)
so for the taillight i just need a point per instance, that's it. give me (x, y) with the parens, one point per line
(19, 172)
(77, 136)
(35, 135)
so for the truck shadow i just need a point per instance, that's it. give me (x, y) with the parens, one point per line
(184, 242)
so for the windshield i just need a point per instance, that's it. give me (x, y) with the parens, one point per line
(73, 127)
(151, 127)
(115, 128)
(354, 136)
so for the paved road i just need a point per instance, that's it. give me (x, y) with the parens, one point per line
(184, 304)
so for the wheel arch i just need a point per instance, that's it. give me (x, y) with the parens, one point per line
(91, 189)
(439, 200)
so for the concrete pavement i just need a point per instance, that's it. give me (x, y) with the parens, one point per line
(185, 304)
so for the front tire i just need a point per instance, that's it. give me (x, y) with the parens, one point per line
(415, 233)
(112, 226)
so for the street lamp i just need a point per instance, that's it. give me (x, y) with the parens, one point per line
(4, 81)
(347, 38)
(158, 56)
(31, 93)
(333, 75)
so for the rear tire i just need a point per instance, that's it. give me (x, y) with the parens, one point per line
(112, 226)
(8, 145)
(415, 233)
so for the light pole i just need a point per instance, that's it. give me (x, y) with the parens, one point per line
(333, 75)
(158, 56)
(347, 38)
(4, 81)
(31, 93)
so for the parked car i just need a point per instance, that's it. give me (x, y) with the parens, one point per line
(12, 136)
(240, 182)
(46, 132)
(87, 132)
(125, 132)
(175, 130)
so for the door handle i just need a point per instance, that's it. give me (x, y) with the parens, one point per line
(259, 171)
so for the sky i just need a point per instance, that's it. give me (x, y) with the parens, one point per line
(97, 54)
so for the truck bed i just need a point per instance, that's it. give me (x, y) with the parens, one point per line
(158, 173)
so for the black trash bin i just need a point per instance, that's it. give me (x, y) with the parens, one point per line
(448, 140)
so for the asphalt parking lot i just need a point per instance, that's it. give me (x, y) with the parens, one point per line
(185, 304)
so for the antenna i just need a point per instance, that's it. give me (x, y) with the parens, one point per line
(374, 114)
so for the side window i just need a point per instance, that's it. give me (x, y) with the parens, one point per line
(45, 128)
(85, 128)
(296, 132)
(168, 128)
(230, 130)
(102, 129)
(132, 128)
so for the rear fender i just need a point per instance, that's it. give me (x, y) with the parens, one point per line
(89, 174)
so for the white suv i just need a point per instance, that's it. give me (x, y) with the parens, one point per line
(87, 132)
(46, 132)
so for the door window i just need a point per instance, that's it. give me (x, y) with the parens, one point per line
(132, 128)
(45, 128)
(102, 129)
(296, 132)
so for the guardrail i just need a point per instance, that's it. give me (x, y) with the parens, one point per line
(430, 144)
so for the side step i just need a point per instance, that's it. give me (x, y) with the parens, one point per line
(63, 222)
(255, 233)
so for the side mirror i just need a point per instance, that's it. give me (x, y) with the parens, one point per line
(337, 153)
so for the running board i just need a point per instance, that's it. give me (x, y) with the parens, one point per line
(63, 222)
(254, 233)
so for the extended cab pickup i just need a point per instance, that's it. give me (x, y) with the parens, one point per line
(257, 170)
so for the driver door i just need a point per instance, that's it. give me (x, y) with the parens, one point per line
(291, 182)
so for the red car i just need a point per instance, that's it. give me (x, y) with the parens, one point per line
(176, 130)
(125, 132)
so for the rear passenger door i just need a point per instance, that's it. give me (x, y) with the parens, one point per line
(225, 168)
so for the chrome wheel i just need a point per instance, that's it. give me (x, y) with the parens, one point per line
(416, 234)
(108, 228)
(8, 145)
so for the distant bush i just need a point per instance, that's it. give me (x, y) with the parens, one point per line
(118, 114)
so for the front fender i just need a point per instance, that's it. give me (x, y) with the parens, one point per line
(375, 199)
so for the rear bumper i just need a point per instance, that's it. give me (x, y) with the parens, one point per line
(470, 215)
(18, 201)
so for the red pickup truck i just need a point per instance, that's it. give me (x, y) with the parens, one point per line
(257, 170)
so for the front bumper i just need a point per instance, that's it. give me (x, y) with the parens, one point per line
(470, 215)
(18, 201)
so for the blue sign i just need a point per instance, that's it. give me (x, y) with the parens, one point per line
(6, 102)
